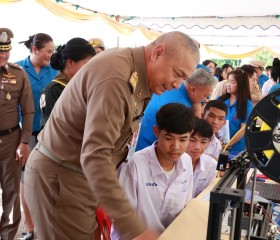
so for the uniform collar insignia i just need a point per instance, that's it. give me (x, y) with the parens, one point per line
(133, 80)
(139, 94)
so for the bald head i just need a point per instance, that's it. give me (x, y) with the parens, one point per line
(177, 41)
(170, 59)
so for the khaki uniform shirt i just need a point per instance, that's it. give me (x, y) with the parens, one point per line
(92, 122)
(256, 93)
(15, 90)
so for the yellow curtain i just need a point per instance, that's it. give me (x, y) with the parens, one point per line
(66, 11)
(230, 55)
(122, 28)
(8, 1)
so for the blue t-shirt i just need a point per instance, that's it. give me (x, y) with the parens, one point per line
(37, 81)
(262, 79)
(235, 125)
(146, 135)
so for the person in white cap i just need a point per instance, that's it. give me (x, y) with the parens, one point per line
(259, 65)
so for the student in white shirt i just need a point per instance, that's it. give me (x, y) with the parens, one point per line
(215, 113)
(204, 166)
(158, 180)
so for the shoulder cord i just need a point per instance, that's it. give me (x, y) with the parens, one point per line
(57, 81)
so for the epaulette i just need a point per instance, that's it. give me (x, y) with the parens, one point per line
(133, 81)
(15, 65)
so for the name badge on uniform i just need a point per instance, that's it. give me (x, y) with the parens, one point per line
(9, 78)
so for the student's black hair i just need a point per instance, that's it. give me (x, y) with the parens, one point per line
(225, 66)
(207, 61)
(217, 72)
(275, 71)
(76, 49)
(175, 118)
(249, 69)
(202, 128)
(268, 68)
(216, 104)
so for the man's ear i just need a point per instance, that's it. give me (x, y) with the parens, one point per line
(69, 62)
(224, 122)
(158, 51)
(202, 115)
(156, 130)
(192, 88)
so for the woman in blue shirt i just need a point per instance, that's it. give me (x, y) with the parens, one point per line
(237, 98)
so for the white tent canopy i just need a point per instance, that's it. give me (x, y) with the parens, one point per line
(233, 27)
(183, 8)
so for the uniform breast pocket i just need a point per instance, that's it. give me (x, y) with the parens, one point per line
(9, 94)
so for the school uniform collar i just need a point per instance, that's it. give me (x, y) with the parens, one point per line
(228, 103)
(200, 166)
(156, 168)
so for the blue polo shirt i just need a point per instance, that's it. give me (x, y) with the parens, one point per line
(262, 79)
(37, 81)
(146, 135)
(235, 125)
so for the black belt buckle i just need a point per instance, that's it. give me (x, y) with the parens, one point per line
(8, 131)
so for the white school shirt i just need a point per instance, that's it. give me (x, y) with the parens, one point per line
(204, 173)
(266, 86)
(214, 148)
(157, 199)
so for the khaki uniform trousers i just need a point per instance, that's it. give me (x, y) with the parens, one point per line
(60, 200)
(9, 179)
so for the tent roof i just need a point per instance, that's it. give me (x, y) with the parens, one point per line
(217, 32)
(183, 8)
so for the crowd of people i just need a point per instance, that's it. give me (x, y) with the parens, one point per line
(133, 132)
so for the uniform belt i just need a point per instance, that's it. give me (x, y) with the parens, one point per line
(9, 130)
(41, 148)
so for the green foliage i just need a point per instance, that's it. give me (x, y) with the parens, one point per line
(232, 62)
(265, 56)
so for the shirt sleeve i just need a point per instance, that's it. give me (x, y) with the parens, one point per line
(128, 181)
(108, 108)
(27, 109)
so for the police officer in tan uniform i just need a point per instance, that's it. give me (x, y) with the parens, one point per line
(72, 168)
(97, 44)
(14, 150)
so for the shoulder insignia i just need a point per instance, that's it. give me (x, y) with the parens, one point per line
(133, 80)
(60, 82)
(15, 65)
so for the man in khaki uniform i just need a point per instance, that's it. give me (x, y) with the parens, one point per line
(72, 168)
(14, 150)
